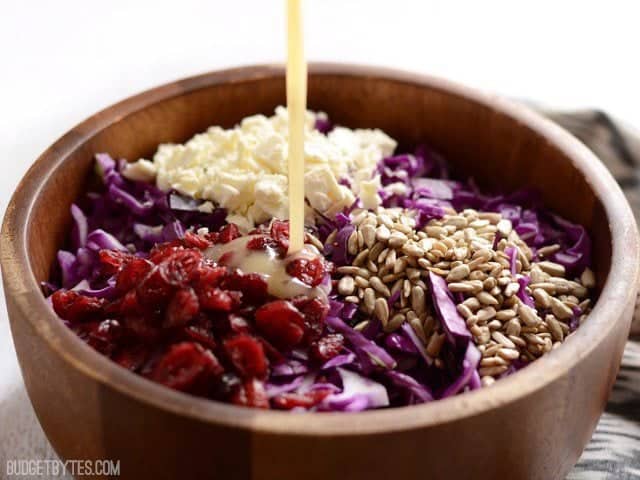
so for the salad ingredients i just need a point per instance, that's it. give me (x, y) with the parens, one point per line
(479, 257)
(244, 169)
(418, 288)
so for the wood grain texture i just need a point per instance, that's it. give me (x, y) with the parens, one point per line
(531, 425)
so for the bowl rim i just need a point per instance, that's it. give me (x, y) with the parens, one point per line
(22, 287)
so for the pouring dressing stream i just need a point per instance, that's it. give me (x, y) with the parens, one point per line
(267, 262)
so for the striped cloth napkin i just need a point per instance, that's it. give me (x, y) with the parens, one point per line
(614, 451)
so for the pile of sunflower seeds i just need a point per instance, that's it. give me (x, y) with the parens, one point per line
(392, 260)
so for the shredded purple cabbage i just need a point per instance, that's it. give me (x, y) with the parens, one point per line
(126, 216)
(376, 369)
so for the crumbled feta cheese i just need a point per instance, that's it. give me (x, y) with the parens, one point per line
(244, 169)
(140, 171)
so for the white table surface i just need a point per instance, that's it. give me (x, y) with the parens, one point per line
(62, 61)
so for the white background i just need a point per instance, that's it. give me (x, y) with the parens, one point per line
(62, 60)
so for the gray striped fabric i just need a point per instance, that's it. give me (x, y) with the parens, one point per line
(614, 451)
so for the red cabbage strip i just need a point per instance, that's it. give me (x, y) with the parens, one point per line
(370, 354)
(469, 368)
(512, 253)
(417, 343)
(419, 392)
(358, 393)
(452, 323)
(80, 228)
(522, 294)
(577, 256)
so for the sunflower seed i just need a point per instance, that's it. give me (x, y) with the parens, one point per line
(369, 299)
(543, 299)
(395, 322)
(588, 279)
(361, 257)
(383, 233)
(493, 362)
(352, 244)
(464, 310)
(492, 371)
(560, 310)
(486, 298)
(390, 260)
(458, 273)
(381, 310)
(397, 239)
(435, 344)
(377, 284)
(548, 287)
(533, 339)
(368, 234)
(501, 339)
(486, 314)
(376, 251)
(506, 314)
(472, 303)
(435, 231)
(528, 315)
(548, 250)
(508, 354)
(554, 328)
(361, 326)
(412, 249)
(552, 268)
(418, 300)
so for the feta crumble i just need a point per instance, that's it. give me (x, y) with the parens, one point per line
(244, 169)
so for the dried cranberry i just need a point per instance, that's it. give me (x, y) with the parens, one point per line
(228, 233)
(132, 273)
(280, 233)
(201, 335)
(164, 250)
(273, 354)
(238, 324)
(142, 327)
(287, 401)
(104, 337)
(210, 276)
(196, 241)
(181, 267)
(315, 311)
(251, 394)
(308, 270)
(111, 261)
(132, 358)
(261, 242)
(215, 299)
(281, 323)
(247, 356)
(186, 366)
(252, 285)
(127, 305)
(70, 305)
(327, 347)
(225, 386)
(225, 258)
(154, 291)
(182, 308)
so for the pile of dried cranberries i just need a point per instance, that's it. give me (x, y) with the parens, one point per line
(193, 325)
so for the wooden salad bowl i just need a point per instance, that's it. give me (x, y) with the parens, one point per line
(533, 424)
